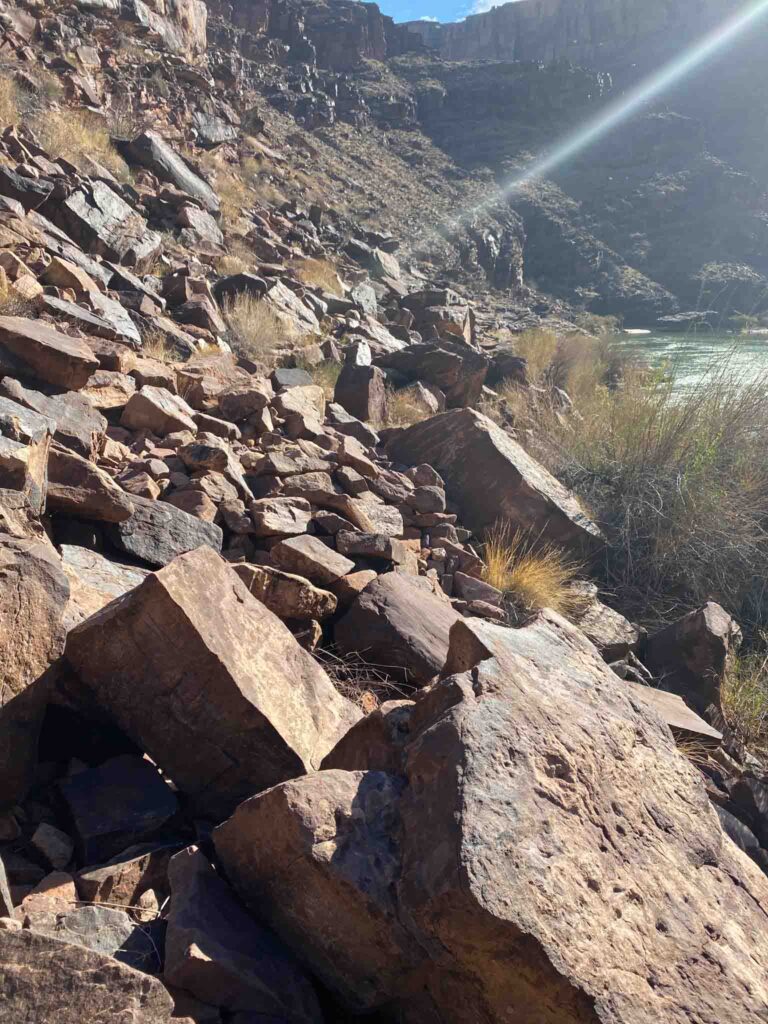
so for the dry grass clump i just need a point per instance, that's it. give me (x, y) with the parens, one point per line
(9, 102)
(318, 273)
(325, 376)
(744, 696)
(531, 574)
(255, 329)
(678, 478)
(155, 345)
(76, 135)
(11, 302)
(405, 407)
(538, 347)
(234, 194)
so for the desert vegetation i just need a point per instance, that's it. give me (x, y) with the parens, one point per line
(255, 330)
(530, 574)
(77, 135)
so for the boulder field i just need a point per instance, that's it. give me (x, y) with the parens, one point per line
(274, 747)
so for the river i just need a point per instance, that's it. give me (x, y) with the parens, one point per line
(690, 356)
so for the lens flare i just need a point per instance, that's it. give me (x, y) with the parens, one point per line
(626, 105)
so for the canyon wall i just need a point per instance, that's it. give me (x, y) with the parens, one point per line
(602, 32)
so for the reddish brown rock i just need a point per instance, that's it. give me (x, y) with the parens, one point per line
(156, 409)
(209, 682)
(287, 595)
(47, 980)
(308, 556)
(79, 488)
(33, 597)
(692, 654)
(35, 349)
(490, 477)
(217, 951)
(398, 623)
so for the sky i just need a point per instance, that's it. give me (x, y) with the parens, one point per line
(435, 10)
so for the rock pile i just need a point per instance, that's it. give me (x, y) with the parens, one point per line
(212, 568)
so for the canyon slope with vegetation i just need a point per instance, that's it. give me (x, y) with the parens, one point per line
(376, 642)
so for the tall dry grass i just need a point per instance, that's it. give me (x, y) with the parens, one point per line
(530, 573)
(76, 135)
(9, 102)
(744, 696)
(255, 330)
(677, 477)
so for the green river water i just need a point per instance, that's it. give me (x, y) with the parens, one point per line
(691, 356)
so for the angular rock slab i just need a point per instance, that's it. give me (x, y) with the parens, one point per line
(37, 349)
(218, 952)
(399, 624)
(78, 487)
(553, 858)
(157, 532)
(302, 854)
(209, 682)
(43, 979)
(94, 581)
(33, 596)
(490, 477)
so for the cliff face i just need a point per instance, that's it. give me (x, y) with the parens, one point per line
(605, 32)
(335, 35)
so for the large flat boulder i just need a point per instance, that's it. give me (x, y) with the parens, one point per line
(78, 487)
(44, 979)
(103, 224)
(94, 581)
(490, 477)
(152, 151)
(33, 596)
(157, 532)
(552, 857)
(209, 682)
(399, 624)
(35, 348)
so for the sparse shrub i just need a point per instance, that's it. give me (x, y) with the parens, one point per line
(744, 696)
(538, 347)
(366, 685)
(9, 102)
(255, 330)
(11, 303)
(155, 345)
(325, 376)
(77, 134)
(404, 408)
(530, 573)
(317, 273)
(678, 478)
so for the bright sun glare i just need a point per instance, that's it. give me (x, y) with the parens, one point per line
(626, 105)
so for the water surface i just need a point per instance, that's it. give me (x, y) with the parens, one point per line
(690, 356)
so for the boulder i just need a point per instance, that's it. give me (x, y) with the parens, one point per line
(33, 348)
(216, 951)
(44, 979)
(399, 624)
(362, 392)
(77, 424)
(691, 654)
(314, 845)
(108, 931)
(288, 596)
(123, 880)
(376, 742)
(548, 831)
(78, 487)
(25, 441)
(280, 517)
(103, 224)
(157, 532)
(490, 477)
(209, 682)
(156, 409)
(115, 805)
(308, 556)
(150, 150)
(33, 596)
